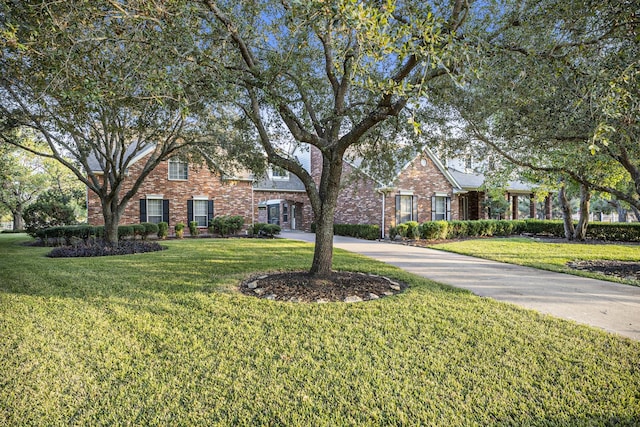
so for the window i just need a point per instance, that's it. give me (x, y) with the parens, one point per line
(440, 208)
(279, 174)
(200, 212)
(177, 169)
(406, 208)
(285, 213)
(468, 162)
(154, 210)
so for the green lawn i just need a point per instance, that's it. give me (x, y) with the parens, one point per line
(165, 339)
(546, 256)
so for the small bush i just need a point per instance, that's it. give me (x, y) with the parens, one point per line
(163, 230)
(125, 231)
(457, 229)
(138, 230)
(393, 233)
(149, 229)
(179, 228)
(193, 228)
(434, 230)
(402, 230)
(226, 225)
(261, 229)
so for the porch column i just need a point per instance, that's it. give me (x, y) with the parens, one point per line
(514, 206)
(532, 206)
(547, 207)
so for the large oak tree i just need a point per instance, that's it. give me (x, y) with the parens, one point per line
(101, 82)
(336, 75)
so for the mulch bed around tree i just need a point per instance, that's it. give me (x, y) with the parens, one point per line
(623, 269)
(301, 287)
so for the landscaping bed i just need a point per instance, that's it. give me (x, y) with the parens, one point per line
(626, 270)
(340, 286)
(100, 248)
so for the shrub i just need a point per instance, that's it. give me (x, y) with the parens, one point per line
(226, 225)
(393, 233)
(125, 231)
(402, 230)
(261, 229)
(413, 230)
(457, 229)
(621, 231)
(149, 229)
(163, 230)
(179, 227)
(47, 212)
(434, 230)
(552, 228)
(193, 228)
(138, 230)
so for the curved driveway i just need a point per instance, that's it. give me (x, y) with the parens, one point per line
(606, 305)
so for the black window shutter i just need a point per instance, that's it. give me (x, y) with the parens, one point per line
(189, 211)
(398, 210)
(165, 211)
(143, 210)
(433, 208)
(209, 211)
(414, 208)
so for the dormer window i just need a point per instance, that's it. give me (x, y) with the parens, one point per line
(468, 162)
(278, 174)
(178, 169)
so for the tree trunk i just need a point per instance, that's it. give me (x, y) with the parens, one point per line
(323, 252)
(580, 232)
(636, 212)
(111, 213)
(18, 220)
(566, 213)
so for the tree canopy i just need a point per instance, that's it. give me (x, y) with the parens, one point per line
(100, 83)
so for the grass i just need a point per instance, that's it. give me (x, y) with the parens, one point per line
(165, 339)
(546, 256)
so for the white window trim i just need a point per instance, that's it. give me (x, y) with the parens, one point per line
(272, 177)
(155, 197)
(169, 170)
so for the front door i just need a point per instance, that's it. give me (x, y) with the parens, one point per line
(273, 214)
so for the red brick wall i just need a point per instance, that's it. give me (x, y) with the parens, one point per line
(424, 179)
(229, 197)
(360, 203)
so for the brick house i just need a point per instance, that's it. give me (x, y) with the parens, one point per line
(422, 190)
(179, 192)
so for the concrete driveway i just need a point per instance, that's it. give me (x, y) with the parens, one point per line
(606, 305)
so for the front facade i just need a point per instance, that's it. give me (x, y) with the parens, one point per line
(179, 192)
(423, 190)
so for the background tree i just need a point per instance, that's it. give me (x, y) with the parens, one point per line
(99, 83)
(338, 75)
(21, 180)
(555, 92)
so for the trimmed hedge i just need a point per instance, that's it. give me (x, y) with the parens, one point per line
(441, 230)
(359, 231)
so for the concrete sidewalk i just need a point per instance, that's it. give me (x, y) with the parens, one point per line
(606, 305)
